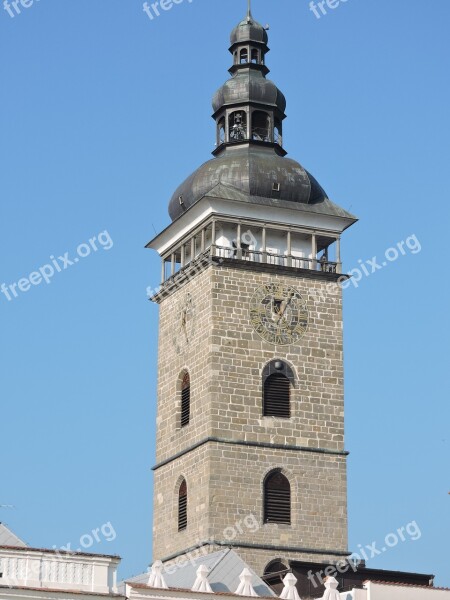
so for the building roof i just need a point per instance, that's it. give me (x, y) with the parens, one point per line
(249, 86)
(249, 174)
(249, 152)
(57, 552)
(249, 30)
(8, 538)
(225, 567)
(407, 585)
(59, 591)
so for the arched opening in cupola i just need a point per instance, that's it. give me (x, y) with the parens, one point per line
(278, 132)
(244, 56)
(238, 126)
(261, 126)
(221, 131)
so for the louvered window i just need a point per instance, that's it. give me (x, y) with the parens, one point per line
(277, 499)
(185, 400)
(182, 506)
(277, 396)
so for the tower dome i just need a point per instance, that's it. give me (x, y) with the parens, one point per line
(260, 174)
(249, 111)
(249, 86)
(249, 30)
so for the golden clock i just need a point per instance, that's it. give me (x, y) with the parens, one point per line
(279, 314)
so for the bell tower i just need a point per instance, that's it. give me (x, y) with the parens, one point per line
(250, 425)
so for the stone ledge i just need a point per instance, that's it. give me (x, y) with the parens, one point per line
(248, 444)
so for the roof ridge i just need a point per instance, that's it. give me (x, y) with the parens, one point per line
(219, 560)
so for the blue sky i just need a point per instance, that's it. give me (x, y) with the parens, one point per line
(103, 113)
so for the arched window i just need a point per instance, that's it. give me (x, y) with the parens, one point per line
(277, 396)
(255, 56)
(221, 131)
(238, 126)
(277, 498)
(278, 378)
(275, 566)
(185, 400)
(278, 134)
(182, 506)
(261, 126)
(244, 56)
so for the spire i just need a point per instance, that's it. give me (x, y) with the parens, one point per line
(249, 11)
(249, 108)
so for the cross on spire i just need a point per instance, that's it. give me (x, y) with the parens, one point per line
(249, 9)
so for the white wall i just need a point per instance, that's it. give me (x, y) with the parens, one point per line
(37, 569)
(379, 591)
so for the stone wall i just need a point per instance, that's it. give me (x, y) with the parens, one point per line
(225, 358)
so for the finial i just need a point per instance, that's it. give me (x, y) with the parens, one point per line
(245, 588)
(201, 584)
(249, 10)
(156, 579)
(289, 591)
(331, 592)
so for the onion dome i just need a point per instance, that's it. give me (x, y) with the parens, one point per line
(249, 30)
(249, 86)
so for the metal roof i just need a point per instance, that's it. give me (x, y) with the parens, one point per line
(249, 86)
(253, 170)
(8, 538)
(225, 567)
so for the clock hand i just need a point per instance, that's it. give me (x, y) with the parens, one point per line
(287, 303)
(283, 308)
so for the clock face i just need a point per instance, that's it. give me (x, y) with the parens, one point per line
(279, 314)
(185, 324)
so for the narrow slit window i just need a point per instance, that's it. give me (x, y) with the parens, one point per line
(185, 400)
(182, 506)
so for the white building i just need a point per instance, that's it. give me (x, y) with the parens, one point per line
(374, 590)
(40, 574)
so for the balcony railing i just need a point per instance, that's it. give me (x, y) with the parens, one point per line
(271, 258)
(202, 259)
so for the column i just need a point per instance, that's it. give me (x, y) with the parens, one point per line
(338, 255)
(314, 251)
(213, 238)
(289, 249)
(238, 242)
(203, 240)
(264, 244)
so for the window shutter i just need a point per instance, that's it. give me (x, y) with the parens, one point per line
(185, 400)
(277, 396)
(182, 506)
(277, 499)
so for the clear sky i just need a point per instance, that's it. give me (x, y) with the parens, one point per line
(103, 113)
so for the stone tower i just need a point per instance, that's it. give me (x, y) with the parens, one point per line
(250, 426)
